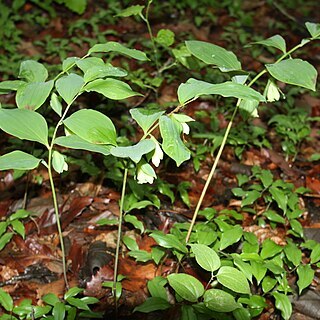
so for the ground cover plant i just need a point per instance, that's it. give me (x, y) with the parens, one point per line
(118, 244)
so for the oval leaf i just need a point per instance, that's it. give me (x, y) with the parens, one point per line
(145, 118)
(111, 88)
(69, 86)
(92, 126)
(206, 257)
(153, 304)
(33, 71)
(275, 41)
(294, 71)
(220, 301)
(306, 275)
(18, 160)
(195, 88)
(283, 304)
(186, 286)
(33, 95)
(230, 236)
(233, 279)
(213, 54)
(6, 300)
(24, 124)
(168, 241)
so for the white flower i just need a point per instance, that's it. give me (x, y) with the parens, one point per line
(158, 153)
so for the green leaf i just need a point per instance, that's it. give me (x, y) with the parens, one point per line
(134, 152)
(5, 239)
(6, 301)
(306, 275)
(50, 299)
(270, 249)
(213, 54)
(153, 304)
(68, 63)
(294, 71)
(165, 37)
(18, 160)
(314, 29)
(33, 95)
(279, 197)
(233, 279)
(134, 221)
(78, 303)
(77, 6)
(195, 88)
(315, 253)
(111, 88)
(33, 71)
(3, 227)
(258, 270)
(169, 241)
(69, 86)
(140, 255)
(220, 301)
(130, 243)
(58, 162)
(7, 86)
(92, 126)
(18, 227)
(244, 267)
(119, 48)
(283, 304)
(206, 257)
(55, 104)
(89, 63)
(293, 253)
(131, 11)
(188, 313)
(24, 124)
(103, 72)
(156, 288)
(266, 178)
(275, 41)
(248, 108)
(172, 144)
(186, 286)
(145, 117)
(242, 314)
(250, 197)
(296, 227)
(74, 142)
(274, 217)
(59, 311)
(230, 236)
(268, 284)
(72, 292)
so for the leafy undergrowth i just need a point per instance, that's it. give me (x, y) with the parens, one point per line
(104, 161)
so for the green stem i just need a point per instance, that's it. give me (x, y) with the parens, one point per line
(119, 237)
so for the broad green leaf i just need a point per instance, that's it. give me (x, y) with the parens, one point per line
(169, 241)
(33, 71)
(248, 108)
(68, 63)
(75, 142)
(58, 162)
(59, 311)
(20, 214)
(306, 275)
(294, 71)
(230, 236)
(145, 117)
(89, 63)
(111, 88)
(242, 314)
(172, 144)
(206, 257)
(24, 124)
(131, 11)
(244, 267)
(314, 29)
(69, 86)
(266, 178)
(6, 301)
(92, 126)
(103, 72)
(18, 227)
(119, 48)
(7, 86)
(156, 287)
(279, 197)
(315, 253)
(50, 299)
(296, 227)
(77, 6)
(233, 279)
(259, 270)
(140, 255)
(186, 286)
(55, 104)
(268, 284)
(72, 292)
(130, 243)
(219, 300)
(134, 152)
(18, 160)
(283, 304)
(78, 303)
(5, 239)
(270, 249)
(152, 304)
(275, 41)
(195, 88)
(274, 217)
(165, 37)
(188, 312)
(3, 227)
(250, 197)
(134, 221)
(213, 54)
(33, 95)
(293, 253)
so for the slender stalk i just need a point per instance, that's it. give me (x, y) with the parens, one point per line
(119, 238)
